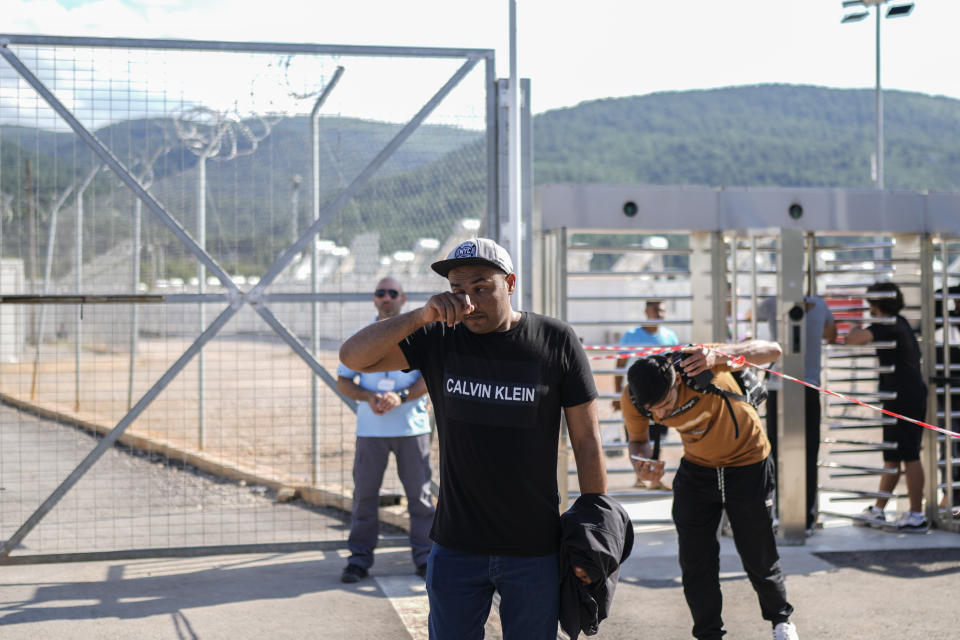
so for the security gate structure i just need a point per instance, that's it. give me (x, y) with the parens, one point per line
(606, 250)
(196, 341)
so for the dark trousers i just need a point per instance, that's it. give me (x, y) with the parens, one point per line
(812, 443)
(413, 467)
(700, 495)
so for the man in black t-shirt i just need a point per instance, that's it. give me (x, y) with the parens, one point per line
(906, 379)
(498, 380)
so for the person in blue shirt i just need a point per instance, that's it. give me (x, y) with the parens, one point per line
(391, 417)
(653, 334)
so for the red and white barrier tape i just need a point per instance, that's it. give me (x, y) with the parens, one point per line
(629, 352)
(741, 361)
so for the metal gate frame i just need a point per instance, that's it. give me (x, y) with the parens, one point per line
(791, 213)
(258, 297)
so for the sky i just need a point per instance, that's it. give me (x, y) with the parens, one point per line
(572, 51)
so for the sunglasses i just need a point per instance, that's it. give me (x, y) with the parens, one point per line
(382, 292)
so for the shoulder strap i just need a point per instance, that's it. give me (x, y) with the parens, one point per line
(649, 416)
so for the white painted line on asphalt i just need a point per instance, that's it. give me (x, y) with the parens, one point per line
(408, 595)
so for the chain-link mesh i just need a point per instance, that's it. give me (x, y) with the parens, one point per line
(242, 154)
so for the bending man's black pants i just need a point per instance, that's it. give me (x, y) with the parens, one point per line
(700, 495)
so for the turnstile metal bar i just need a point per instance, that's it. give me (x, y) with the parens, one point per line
(863, 450)
(851, 356)
(890, 446)
(880, 395)
(871, 260)
(623, 274)
(648, 493)
(626, 470)
(608, 396)
(860, 294)
(858, 467)
(865, 284)
(858, 494)
(855, 247)
(888, 369)
(851, 403)
(882, 272)
(862, 419)
(626, 298)
(625, 323)
(611, 446)
(838, 349)
(632, 249)
(842, 427)
(855, 474)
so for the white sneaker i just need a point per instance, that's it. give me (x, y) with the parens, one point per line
(913, 522)
(785, 631)
(870, 516)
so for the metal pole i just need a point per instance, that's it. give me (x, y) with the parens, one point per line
(201, 282)
(791, 417)
(563, 455)
(135, 277)
(946, 305)
(753, 285)
(515, 179)
(530, 260)
(734, 291)
(493, 152)
(879, 109)
(294, 205)
(47, 270)
(315, 272)
(79, 280)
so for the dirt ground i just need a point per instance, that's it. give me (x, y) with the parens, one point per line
(256, 409)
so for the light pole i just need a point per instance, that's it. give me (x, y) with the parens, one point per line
(858, 10)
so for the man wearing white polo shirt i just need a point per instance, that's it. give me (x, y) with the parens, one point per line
(391, 416)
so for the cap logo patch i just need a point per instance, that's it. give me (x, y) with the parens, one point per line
(466, 250)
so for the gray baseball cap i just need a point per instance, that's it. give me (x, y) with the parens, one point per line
(475, 251)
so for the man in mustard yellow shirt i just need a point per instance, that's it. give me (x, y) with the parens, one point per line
(726, 466)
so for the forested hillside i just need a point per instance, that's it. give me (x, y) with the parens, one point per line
(776, 135)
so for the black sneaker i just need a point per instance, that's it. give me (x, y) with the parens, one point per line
(422, 571)
(353, 573)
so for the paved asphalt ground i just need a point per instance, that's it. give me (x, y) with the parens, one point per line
(847, 583)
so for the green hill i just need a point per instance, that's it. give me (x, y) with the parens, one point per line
(768, 135)
(775, 135)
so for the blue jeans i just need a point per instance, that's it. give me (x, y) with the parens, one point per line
(461, 586)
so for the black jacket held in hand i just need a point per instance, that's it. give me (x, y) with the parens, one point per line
(597, 536)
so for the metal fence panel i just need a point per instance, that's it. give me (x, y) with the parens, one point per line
(188, 230)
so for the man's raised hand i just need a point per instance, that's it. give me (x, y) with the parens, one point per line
(448, 307)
